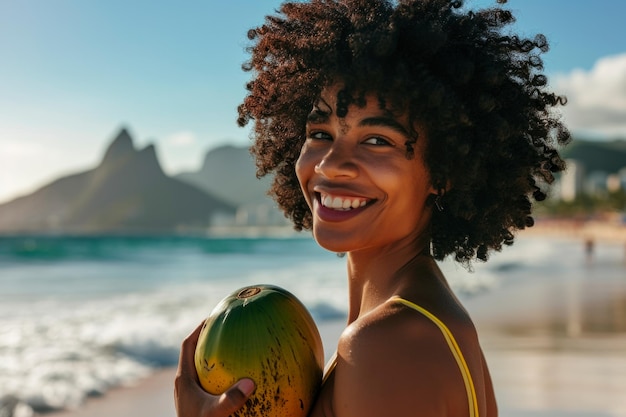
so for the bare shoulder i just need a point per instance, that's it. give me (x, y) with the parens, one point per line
(395, 361)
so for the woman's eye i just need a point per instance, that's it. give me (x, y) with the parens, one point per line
(319, 136)
(377, 141)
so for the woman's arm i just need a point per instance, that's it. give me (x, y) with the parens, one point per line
(191, 400)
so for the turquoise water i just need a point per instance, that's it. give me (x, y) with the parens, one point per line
(84, 267)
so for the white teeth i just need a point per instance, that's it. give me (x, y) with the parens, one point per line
(340, 203)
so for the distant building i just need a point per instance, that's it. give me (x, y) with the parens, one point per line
(263, 213)
(621, 175)
(614, 183)
(596, 183)
(572, 180)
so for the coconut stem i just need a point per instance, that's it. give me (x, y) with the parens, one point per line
(248, 292)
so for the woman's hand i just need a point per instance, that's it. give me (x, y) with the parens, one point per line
(193, 401)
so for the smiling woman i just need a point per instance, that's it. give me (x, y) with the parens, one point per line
(400, 133)
(354, 171)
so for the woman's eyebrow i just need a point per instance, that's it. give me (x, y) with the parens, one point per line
(387, 122)
(317, 116)
(321, 112)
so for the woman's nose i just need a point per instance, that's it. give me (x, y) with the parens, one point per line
(338, 161)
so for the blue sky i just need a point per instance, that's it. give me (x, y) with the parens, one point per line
(73, 72)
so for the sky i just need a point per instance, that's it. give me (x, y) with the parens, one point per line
(74, 72)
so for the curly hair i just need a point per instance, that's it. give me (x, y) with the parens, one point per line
(478, 93)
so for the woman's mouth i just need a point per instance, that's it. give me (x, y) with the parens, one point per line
(342, 203)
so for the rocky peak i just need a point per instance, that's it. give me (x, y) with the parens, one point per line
(147, 161)
(121, 146)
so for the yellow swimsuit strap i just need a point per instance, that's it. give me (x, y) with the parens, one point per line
(330, 367)
(456, 352)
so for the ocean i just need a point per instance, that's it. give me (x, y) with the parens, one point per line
(80, 315)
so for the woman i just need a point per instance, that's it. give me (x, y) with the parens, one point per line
(400, 134)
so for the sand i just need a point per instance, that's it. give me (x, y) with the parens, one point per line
(555, 349)
(153, 396)
(556, 362)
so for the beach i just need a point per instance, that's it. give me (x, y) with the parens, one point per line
(551, 318)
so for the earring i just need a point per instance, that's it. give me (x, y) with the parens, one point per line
(440, 193)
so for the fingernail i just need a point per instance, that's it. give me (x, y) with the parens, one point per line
(246, 386)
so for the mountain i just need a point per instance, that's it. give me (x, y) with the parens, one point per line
(229, 173)
(127, 192)
(607, 156)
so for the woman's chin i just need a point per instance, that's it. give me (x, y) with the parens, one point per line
(334, 243)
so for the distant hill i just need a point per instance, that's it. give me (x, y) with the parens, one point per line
(229, 173)
(607, 156)
(127, 192)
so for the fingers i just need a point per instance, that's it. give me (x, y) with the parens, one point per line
(189, 398)
(233, 399)
(192, 401)
(186, 365)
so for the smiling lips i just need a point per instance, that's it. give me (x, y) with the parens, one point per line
(342, 203)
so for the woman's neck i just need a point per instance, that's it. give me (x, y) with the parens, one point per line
(376, 275)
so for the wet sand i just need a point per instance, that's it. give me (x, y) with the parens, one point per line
(153, 396)
(558, 367)
(556, 346)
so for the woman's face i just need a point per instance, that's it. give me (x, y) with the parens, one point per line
(362, 190)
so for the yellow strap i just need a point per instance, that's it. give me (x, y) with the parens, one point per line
(456, 352)
(330, 367)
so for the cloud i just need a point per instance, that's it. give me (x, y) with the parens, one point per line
(180, 152)
(181, 139)
(28, 165)
(596, 98)
(12, 149)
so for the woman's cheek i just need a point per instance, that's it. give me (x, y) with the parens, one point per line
(301, 174)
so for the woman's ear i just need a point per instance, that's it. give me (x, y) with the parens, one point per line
(437, 193)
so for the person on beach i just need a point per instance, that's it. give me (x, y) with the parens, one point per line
(400, 133)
